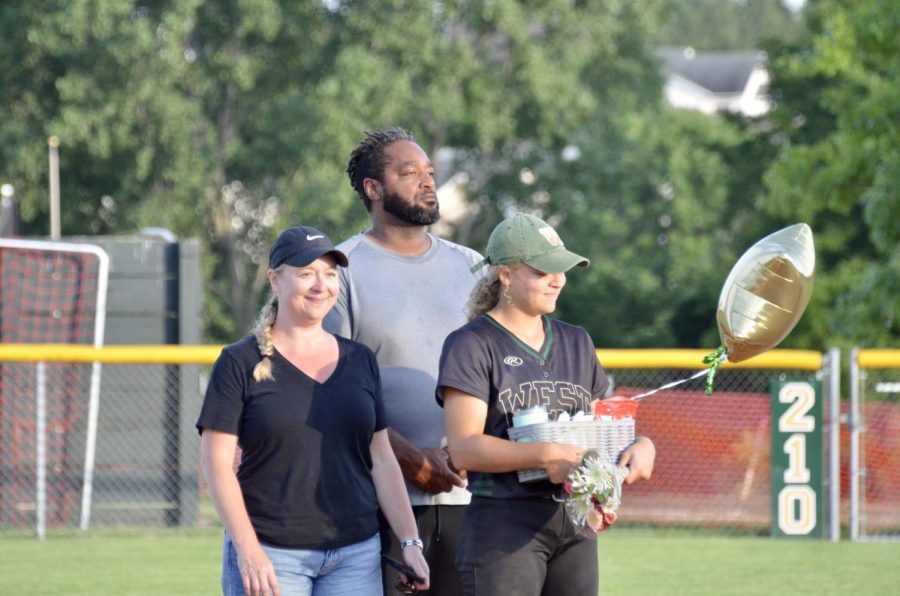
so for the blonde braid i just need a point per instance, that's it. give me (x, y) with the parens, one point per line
(485, 295)
(263, 332)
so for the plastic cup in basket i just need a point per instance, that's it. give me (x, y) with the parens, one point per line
(615, 408)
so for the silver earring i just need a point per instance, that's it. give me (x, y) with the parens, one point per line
(506, 295)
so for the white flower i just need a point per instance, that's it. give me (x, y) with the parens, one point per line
(595, 493)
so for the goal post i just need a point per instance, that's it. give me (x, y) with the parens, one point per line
(53, 292)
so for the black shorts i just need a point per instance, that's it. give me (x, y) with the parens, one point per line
(526, 547)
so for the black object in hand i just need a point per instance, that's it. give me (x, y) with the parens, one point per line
(404, 569)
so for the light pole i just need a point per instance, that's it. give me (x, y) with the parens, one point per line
(53, 143)
(9, 218)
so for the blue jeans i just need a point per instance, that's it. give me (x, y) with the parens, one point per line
(353, 569)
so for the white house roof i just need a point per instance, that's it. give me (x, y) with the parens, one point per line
(713, 81)
(720, 72)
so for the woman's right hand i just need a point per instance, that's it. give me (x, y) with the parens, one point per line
(257, 572)
(559, 460)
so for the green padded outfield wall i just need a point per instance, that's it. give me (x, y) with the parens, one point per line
(798, 505)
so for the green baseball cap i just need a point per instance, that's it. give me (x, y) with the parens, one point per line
(527, 239)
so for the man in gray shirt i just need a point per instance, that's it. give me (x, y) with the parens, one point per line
(403, 293)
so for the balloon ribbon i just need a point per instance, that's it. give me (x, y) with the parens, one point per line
(716, 358)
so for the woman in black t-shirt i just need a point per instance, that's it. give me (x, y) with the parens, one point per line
(306, 409)
(515, 537)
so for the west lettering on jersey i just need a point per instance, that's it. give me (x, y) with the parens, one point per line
(556, 397)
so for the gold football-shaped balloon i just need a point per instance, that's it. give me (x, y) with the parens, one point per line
(766, 292)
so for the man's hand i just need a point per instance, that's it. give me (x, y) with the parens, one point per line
(461, 473)
(436, 474)
(429, 469)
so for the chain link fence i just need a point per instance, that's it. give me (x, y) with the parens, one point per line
(141, 468)
(712, 465)
(875, 445)
(713, 452)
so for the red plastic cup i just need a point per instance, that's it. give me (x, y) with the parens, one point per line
(616, 408)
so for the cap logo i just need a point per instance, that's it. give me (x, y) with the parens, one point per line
(316, 237)
(513, 361)
(551, 236)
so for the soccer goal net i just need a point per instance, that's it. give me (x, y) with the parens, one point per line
(50, 293)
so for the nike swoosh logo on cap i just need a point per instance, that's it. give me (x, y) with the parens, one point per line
(308, 237)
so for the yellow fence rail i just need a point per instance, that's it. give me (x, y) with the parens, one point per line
(109, 354)
(638, 358)
(778, 359)
(873, 358)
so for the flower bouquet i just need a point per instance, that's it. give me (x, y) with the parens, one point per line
(594, 490)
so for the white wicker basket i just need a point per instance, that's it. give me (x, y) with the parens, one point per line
(606, 437)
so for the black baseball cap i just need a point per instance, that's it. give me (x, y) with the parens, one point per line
(302, 245)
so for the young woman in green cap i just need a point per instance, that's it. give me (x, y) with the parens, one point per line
(517, 538)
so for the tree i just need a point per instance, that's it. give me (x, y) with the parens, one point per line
(230, 119)
(136, 148)
(839, 165)
(727, 25)
(639, 189)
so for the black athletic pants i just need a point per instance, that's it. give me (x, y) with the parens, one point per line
(438, 528)
(524, 547)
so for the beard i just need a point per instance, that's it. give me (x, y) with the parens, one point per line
(411, 213)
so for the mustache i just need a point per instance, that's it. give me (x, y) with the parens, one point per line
(428, 194)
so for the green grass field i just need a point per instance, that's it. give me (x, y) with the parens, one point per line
(632, 562)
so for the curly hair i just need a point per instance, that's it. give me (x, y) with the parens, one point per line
(368, 161)
(485, 295)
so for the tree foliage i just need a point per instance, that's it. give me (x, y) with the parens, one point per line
(231, 119)
(838, 166)
(727, 25)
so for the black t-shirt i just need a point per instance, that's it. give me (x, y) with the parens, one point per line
(305, 470)
(485, 360)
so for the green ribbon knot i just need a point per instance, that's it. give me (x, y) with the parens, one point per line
(716, 358)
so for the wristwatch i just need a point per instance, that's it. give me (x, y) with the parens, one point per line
(412, 542)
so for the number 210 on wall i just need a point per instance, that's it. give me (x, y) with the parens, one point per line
(797, 458)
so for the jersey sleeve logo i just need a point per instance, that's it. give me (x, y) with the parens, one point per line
(513, 361)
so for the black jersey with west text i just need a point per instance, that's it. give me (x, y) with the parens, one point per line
(485, 360)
